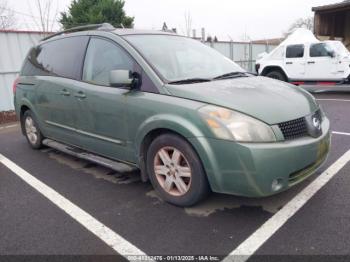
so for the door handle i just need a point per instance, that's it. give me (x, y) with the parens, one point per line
(80, 95)
(64, 92)
(311, 62)
(289, 63)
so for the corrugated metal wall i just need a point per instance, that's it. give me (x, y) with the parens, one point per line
(13, 48)
(15, 45)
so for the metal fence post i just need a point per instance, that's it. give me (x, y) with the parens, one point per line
(251, 57)
(231, 50)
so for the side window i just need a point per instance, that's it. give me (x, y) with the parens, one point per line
(63, 57)
(295, 51)
(319, 50)
(102, 57)
(30, 66)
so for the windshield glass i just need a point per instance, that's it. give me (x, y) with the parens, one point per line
(178, 58)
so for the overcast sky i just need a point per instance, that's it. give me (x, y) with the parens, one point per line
(258, 19)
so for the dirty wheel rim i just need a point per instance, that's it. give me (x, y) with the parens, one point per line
(31, 131)
(172, 171)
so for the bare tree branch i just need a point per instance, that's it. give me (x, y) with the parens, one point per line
(48, 12)
(307, 23)
(7, 16)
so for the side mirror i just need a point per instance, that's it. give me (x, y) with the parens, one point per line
(120, 78)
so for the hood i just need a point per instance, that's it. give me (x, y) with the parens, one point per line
(269, 100)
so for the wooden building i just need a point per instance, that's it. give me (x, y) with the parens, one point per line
(332, 22)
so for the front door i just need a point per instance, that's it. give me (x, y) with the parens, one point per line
(102, 109)
(294, 62)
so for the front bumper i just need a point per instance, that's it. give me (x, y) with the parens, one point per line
(249, 169)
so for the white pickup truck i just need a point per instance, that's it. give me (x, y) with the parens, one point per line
(303, 59)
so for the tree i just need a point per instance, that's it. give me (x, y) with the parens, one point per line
(48, 11)
(307, 23)
(83, 12)
(7, 17)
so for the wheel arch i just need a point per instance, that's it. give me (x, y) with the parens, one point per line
(24, 108)
(162, 125)
(271, 68)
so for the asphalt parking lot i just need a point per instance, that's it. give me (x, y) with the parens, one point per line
(32, 224)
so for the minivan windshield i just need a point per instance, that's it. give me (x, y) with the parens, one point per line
(179, 58)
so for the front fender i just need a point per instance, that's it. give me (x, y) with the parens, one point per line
(175, 123)
(191, 130)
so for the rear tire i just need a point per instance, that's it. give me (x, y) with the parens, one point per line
(176, 171)
(31, 130)
(278, 75)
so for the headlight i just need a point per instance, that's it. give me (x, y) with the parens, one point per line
(228, 124)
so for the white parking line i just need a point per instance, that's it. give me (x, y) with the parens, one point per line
(115, 241)
(340, 133)
(9, 126)
(333, 99)
(247, 248)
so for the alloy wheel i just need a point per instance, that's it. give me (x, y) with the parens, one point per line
(172, 171)
(31, 130)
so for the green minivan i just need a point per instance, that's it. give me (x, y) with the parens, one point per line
(191, 120)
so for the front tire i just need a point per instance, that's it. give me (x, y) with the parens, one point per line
(278, 75)
(176, 171)
(31, 130)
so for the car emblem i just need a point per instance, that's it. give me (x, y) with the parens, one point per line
(316, 122)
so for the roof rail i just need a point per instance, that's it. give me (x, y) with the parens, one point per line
(103, 27)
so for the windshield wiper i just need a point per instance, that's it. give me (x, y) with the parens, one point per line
(199, 80)
(190, 81)
(233, 75)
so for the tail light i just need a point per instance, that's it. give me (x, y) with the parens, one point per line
(15, 85)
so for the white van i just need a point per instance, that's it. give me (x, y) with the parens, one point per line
(302, 58)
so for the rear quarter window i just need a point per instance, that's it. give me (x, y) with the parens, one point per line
(62, 57)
